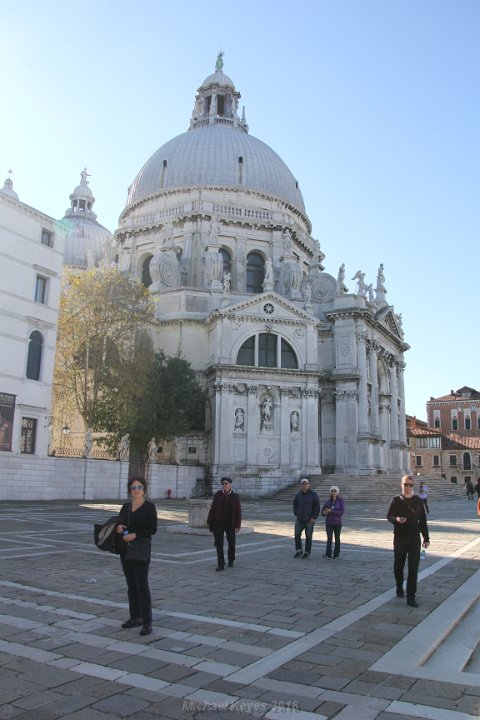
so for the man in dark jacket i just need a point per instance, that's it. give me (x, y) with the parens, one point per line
(225, 518)
(407, 514)
(306, 508)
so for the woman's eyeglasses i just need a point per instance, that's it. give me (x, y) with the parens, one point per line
(136, 487)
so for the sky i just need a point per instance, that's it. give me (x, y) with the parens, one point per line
(373, 104)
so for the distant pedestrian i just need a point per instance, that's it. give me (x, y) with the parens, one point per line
(306, 507)
(407, 514)
(332, 511)
(477, 488)
(469, 489)
(423, 494)
(225, 518)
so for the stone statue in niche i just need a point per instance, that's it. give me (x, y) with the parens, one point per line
(287, 241)
(213, 269)
(294, 421)
(268, 279)
(123, 452)
(214, 230)
(152, 450)
(227, 278)
(307, 294)
(239, 420)
(266, 413)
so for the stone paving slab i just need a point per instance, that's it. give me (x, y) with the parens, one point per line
(306, 640)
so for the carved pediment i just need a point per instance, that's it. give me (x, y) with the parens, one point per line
(387, 317)
(267, 307)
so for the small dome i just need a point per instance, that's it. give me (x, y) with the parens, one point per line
(86, 241)
(217, 78)
(82, 191)
(8, 189)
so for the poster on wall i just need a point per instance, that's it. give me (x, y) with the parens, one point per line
(7, 411)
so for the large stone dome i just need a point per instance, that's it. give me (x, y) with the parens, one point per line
(216, 155)
(216, 151)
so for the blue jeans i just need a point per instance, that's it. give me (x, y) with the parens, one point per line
(331, 531)
(300, 526)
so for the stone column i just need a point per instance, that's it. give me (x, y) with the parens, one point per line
(363, 428)
(346, 428)
(401, 388)
(374, 420)
(284, 409)
(392, 376)
(253, 427)
(310, 430)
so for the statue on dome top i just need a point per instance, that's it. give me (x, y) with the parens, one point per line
(84, 175)
(219, 62)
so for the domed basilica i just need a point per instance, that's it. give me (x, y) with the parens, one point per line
(303, 376)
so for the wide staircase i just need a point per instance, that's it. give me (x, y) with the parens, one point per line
(372, 488)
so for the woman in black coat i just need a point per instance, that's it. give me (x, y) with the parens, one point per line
(137, 524)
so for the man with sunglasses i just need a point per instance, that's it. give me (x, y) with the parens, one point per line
(407, 514)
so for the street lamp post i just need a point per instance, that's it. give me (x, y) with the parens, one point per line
(65, 434)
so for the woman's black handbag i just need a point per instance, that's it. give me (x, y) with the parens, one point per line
(139, 550)
(106, 536)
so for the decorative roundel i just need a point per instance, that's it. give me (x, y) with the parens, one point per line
(268, 309)
(324, 288)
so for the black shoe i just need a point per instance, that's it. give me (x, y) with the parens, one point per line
(328, 557)
(298, 554)
(305, 556)
(220, 568)
(230, 563)
(133, 622)
(146, 630)
(412, 602)
(400, 593)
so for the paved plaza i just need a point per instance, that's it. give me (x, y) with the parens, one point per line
(273, 637)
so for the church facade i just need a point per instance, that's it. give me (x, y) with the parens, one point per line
(302, 375)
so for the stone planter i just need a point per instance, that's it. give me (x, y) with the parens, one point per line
(198, 510)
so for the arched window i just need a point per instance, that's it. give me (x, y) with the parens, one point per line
(255, 272)
(267, 350)
(146, 277)
(34, 357)
(467, 461)
(227, 260)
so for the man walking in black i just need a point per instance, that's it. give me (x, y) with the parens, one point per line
(225, 518)
(407, 514)
(306, 508)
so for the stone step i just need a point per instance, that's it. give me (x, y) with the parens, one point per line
(374, 487)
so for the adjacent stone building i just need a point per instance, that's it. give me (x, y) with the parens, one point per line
(31, 252)
(303, 375)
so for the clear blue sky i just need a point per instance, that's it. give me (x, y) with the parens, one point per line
(373, 104)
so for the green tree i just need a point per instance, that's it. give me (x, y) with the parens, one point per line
(102, 316)
(170, 402)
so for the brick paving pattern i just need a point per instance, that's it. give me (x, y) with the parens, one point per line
(273, 637)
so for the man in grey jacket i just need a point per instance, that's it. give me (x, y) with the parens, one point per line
(306, 508)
